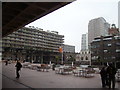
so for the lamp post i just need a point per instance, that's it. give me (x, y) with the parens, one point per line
(62, 58)
(61, 51)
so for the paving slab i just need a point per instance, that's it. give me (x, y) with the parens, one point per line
(36, 79)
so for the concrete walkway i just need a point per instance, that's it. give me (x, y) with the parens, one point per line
(35, 79)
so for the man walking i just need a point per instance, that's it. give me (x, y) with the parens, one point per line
(18, 68)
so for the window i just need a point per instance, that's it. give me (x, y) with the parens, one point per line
(107, 38)
(118, 50)
(109, 45)
(113, 57)
(81, 58)
(96, 40)
(82, 52)
(118, 43)
(89, 52)
(86, 58)
(117, 37)
(105, 51)
(94, 58)
(105, 58)
(95, 46)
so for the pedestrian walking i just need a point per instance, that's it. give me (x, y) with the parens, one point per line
(103, 74)
(6, 62)
(111, 71)
(53, 67)
(18, 68)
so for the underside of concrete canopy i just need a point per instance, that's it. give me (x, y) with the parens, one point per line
(16, 15)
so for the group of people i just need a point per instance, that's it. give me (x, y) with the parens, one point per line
(108, 75)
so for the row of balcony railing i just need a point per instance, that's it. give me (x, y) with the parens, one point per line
(29, 37)
(40, 31)
(39, 34)
(13, 41)
(25, 38)
(33, 45)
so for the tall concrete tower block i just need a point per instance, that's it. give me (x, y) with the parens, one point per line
(97, 27)
(84, 42)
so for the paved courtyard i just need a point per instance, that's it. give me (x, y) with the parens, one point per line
(36, 79)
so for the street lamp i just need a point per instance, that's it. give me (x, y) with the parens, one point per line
(61, 51)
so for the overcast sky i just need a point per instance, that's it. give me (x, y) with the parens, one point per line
(72, 20)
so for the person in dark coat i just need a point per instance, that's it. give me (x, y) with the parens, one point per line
(103, 74)
(6, 62)
(18, 68)
(111, 71)
(53, 67)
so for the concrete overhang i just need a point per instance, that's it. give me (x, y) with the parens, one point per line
(16, 15)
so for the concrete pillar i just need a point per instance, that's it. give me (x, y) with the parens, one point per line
(41, 57)
(34, 57)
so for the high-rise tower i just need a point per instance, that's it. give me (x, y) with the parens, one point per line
(97, 27)
(84, 42)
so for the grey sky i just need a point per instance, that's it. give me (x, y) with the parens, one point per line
(72, 20)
